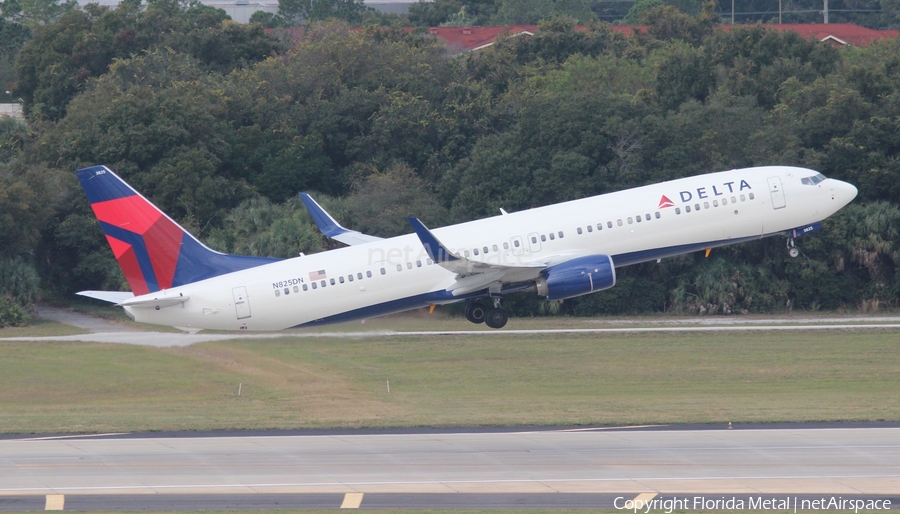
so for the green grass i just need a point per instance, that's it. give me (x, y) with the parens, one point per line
(41, 328)
(475, 380)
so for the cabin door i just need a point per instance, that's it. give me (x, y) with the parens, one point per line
(241, 302)
(777, 193)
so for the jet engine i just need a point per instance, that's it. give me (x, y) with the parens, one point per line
(577, 277)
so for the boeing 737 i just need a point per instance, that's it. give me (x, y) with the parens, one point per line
(559, 251)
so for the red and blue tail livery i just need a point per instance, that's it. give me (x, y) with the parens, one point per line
(154, 252)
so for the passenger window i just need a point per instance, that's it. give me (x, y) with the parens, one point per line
(323, 283)
(630, 221)
(619, 222)
(706, 205)
(466, 253)
(314, 285)
(277, 292)
(543, 238)
(590, 228)
(516, 242)
(743, 198)
(578, 231)
(552, 237)
(341, 279)
(429, 261)
(350, 277)
(638, 218)
(332, 281)
(305, 287)
(476, 251)
(485, 249)
(534, 239)
(408, 265)
(359, 275)
(494, 248)
(287, 291)
(418, 264)
(506, 246)
(399, 268)
(715, 203)
(656, 214)
(647, 217)
(296, 289)
(560, 234)
(697, 206)
(733, 200)
(368, 274)
(383, 271)
(608, 224)
(724, 201)
(751, 196)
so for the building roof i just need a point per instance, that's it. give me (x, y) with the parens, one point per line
(838, 33)
(468, 39)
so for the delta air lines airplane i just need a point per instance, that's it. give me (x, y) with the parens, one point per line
(558, 251)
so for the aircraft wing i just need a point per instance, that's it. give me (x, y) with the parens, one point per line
(473, 275)
(331, 228)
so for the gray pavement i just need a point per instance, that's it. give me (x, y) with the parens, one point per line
(77, 319)
(777, 461)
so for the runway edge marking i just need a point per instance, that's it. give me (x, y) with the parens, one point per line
(644, 498)
(352, 501)
(55, 502)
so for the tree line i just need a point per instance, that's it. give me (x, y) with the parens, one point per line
(222, 124)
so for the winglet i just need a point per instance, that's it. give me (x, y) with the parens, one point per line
(330, 227)
(435, 249)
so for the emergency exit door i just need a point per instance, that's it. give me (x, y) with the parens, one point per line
(241, 302)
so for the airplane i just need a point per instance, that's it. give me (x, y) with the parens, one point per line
(558, 251)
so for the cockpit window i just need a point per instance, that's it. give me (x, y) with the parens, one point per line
(813, 180)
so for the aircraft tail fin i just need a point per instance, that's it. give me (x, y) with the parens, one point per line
(153, 251)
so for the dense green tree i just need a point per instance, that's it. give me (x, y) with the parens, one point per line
(382, 124)
(32, 13)
(309, 11)
(61, 57)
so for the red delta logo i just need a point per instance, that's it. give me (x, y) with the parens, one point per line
(665, 202)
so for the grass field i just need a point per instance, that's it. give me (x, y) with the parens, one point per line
(476, 380)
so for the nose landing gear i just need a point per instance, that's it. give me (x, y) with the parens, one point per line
(793, 251)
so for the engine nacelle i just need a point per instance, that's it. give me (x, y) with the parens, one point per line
(577, 277)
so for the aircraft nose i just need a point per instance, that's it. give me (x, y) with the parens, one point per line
(844, 192)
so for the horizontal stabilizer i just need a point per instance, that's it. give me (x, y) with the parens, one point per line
(155, 303)
(116, 297)
(331, 228)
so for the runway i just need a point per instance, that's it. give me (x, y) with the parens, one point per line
(490, 467)
(164, 340)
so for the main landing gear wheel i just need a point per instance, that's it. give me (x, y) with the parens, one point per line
(496, 318)
(793, 251)
(475, 312)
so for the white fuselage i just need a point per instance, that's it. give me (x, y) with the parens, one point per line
(632, 226)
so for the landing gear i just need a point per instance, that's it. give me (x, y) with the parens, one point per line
(475, 312)
(793, 251)
(496, 318)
